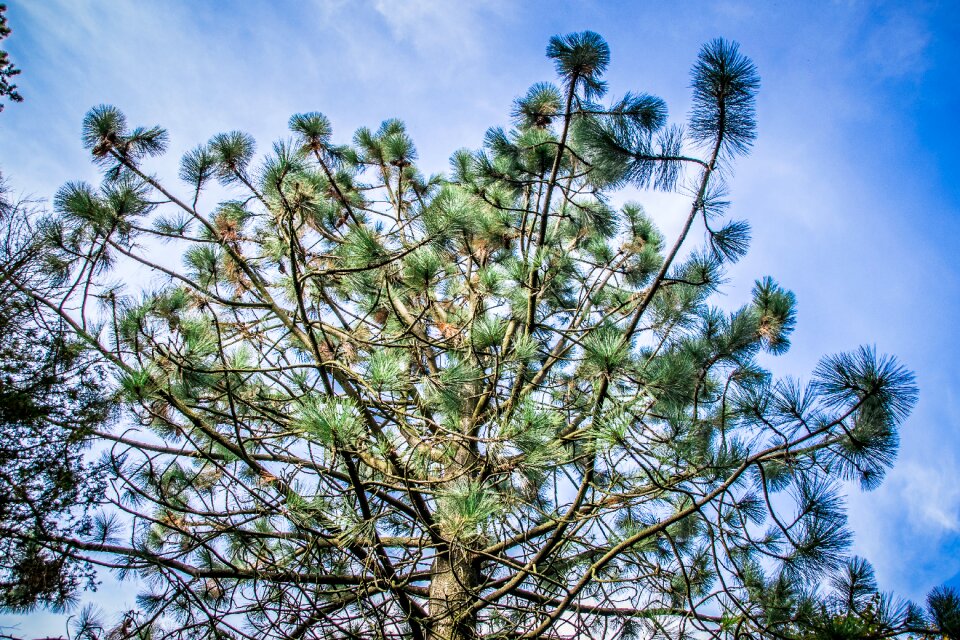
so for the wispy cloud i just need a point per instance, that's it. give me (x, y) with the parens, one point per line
(897, 47)
(931, 495)
(451, 31)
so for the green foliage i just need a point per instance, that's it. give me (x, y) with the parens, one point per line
(539, 107)
(388, 369)
(776, 315)
(332, 422)
(113, 146)
(51, 400)
(605, 349)
(944, 606)
(314, 130)
(488, 332)
(198, 166)
(8, 90)
(580, 60)
(725, 84)
(464, 508)
(488, 404)
(231, 153)
(138, 384)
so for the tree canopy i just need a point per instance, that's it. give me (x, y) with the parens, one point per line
(361, 401)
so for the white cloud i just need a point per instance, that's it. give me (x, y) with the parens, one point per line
(931, 494)
(897, 48)
(453, 30)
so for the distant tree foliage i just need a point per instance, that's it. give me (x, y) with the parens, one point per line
(362, 402)
(8, 90)
(51, 396)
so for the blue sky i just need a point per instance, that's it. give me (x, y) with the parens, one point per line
(850, 189)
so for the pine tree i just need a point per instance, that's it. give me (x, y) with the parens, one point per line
(7, 70)
(373, 403)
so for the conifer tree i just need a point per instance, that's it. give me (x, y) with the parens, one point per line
(7, 70)
(51, 395)
(366, 402)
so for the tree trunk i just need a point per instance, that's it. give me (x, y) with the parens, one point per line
(454, 579)
(451, 590)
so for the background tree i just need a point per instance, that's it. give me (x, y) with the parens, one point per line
(50, 396)
(373, 403)
(7, 70)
